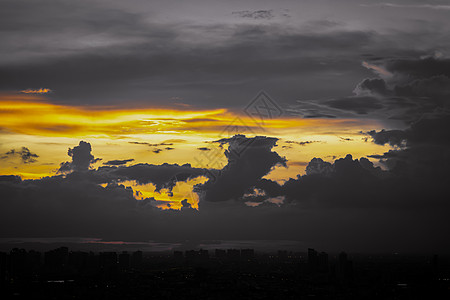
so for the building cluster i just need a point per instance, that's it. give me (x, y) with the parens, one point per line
(221, 254)
(319, 263)
(19, 262)
(230, 273)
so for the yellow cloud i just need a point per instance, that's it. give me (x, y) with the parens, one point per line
(38, 91)
(50, 129)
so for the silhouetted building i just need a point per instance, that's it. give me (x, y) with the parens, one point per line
(93, 261)
(57, 258)
(247, 253)
(233, 254)
(124, 260)
(345, 267)
(136, 259)
(220, 253)
(78, 260)
(435, 265)
(203, 254)
(178, 255)
(108, 259)
(313, 261)
(282, 255)
(190, 254)
(323, 262)
(3, 265)
(17, 261)
(197, 256)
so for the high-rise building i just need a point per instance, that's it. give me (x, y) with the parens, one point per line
(136, 259)
(124, 260)
(312, 260)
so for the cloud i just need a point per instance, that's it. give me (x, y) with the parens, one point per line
(357, 104)
(380, 207)
(162, 176)
(231, 61)
(343, 139)
(38, 91)
(375, 86)
(378, 69)
(415, 6)
(391, 137)
(256, 14)
(301, 143)
(24, 153)
(118, 162)
(418, 87)
(81, 158)
(249, 159)
(165, 143)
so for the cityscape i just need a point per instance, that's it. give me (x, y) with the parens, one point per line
(238, 149)
(221, 274)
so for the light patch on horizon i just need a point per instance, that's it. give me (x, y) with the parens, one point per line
(38, 91)
(168, 199)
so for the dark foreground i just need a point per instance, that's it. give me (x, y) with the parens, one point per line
(221, 274)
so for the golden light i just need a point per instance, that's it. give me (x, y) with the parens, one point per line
(49, 129)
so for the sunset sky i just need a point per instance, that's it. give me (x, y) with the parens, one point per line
(207, 121)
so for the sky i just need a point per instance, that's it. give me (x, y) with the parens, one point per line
(314, 123)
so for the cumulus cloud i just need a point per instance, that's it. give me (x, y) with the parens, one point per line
(249, 159)
(81, 158)
(237, 204)
(419, 96)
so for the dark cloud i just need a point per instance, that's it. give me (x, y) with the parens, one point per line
(419, 68)
(372, 85)
(424, 148)
(358, 104)
(416, 87)
(203, 149)
(162, 176)
(139, 143)
(249, 159)
(301, 143)
(318, 166)
(419, 87)
(344, 139)
(380, 207)
(24, 153)
(391, 137)
(346, 203)
(126, 64)
(81, 158)
(354, 183)
(159, 150)
(118, 162)
(257, 14)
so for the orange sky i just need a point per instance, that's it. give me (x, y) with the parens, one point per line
(28, 120)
